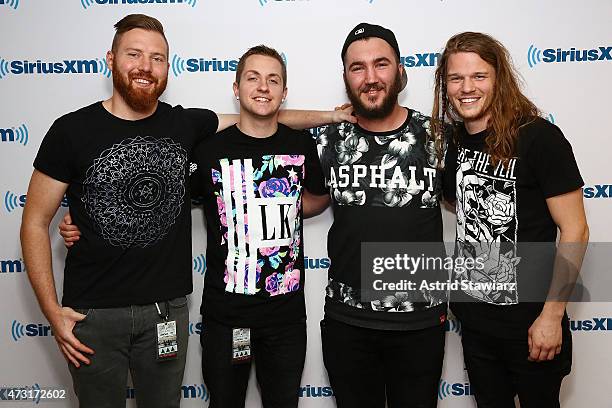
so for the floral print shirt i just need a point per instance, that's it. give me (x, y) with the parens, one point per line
(385, 187)
(252, 191)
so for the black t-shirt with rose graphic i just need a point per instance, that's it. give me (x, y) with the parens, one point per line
(385, 187)
(506, 205)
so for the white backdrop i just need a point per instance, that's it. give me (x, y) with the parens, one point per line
(310, 33)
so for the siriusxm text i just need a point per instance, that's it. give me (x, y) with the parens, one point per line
(61, 67)
(577, 55)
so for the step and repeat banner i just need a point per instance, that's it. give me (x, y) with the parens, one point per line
(547, 40)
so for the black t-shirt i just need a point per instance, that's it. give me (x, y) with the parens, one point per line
(252, 194)
(127, 194)
(506, 205)
(385, 187)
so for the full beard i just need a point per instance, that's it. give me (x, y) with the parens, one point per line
(139, 100)
(375, 112)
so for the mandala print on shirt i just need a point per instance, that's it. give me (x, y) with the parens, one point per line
(135, 190)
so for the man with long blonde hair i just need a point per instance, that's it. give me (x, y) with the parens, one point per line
(517, 181)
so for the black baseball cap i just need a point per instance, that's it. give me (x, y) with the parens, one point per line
(365, 30)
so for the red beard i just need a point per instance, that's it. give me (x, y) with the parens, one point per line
(140, 100)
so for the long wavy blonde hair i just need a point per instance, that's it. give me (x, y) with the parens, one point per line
(509, 108)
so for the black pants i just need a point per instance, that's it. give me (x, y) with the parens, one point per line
(367, 366)
(278, 352)
(498, 370)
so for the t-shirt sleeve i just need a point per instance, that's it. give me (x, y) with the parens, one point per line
(449, 178)
(552, 160)
(205, 121)
(54, 156)
(313, 179)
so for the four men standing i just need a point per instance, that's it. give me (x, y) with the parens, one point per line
(125, 179)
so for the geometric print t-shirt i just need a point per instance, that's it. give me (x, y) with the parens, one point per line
(128, 195)
(252, 191)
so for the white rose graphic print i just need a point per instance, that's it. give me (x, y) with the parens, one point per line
(487, 225)
(135, 190)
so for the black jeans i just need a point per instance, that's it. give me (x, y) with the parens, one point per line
(278, 352)
(498, 370)
(367, 366)
(125, 339)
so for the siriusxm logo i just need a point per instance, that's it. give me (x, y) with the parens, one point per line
(88, 3)
(12, 266)
(199, 264)
(597, 191)
(75, 66)
(446, 390)
(310, 391)
(429, 59)
(535, 55)
(453, 325)
(594, 324)
(195, 391)
(15, 134)
(13, 201)
(195, 328)
(11, 3)
(180, 65)
(316, 263)
(20, 330)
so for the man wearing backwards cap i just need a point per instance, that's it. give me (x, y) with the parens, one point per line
(385, 181)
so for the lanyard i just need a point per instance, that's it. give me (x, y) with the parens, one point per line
(165, 315)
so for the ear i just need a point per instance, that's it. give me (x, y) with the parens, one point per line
(236, 90)
(403, 76)
(109, 59)
(285, 94)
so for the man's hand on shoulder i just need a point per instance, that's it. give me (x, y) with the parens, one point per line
(344, 113)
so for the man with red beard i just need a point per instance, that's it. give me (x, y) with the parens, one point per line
(123, 164)
(385, 180)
